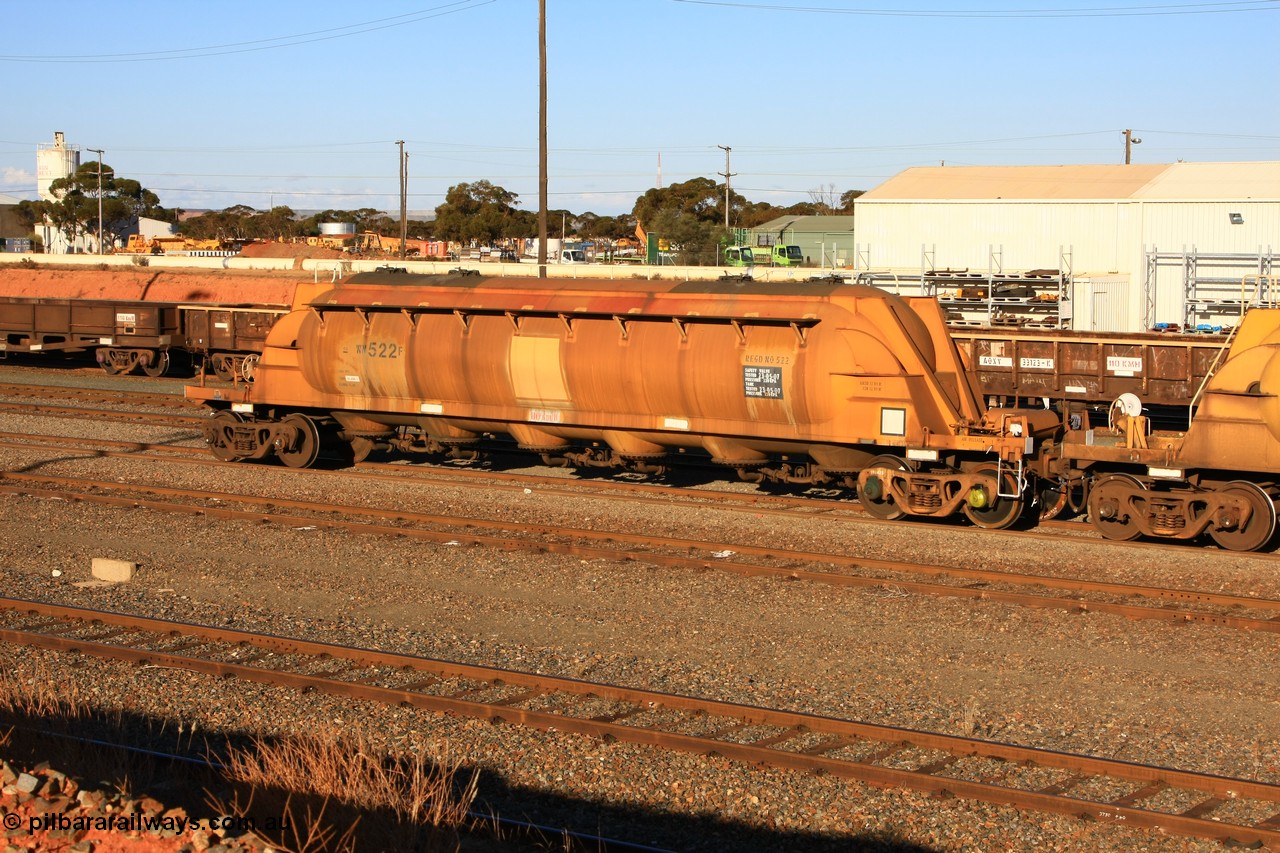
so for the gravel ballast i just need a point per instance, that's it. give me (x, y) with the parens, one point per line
(1195, 697)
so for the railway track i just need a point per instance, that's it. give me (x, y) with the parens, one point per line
(1161, 799)
(837, 500)
(132, 398)
(836, 503)
(1070, 594)
(1015, 588)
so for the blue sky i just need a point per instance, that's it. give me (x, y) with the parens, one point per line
(301, 103)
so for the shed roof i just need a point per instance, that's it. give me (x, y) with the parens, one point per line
(1169, 181)
(809, 223)
(1224, 181)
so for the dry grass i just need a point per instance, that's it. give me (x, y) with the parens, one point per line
(349, 771)
(969, 718)
(36, 702)
(330, 791)
(39, 696)
(342, 795)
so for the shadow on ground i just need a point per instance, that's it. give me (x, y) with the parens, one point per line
(73, 745)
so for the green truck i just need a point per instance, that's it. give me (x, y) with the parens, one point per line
(778, 255)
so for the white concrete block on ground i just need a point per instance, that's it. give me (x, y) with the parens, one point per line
(115, 571)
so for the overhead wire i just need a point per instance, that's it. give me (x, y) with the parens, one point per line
(260, 44)
(1150, 10)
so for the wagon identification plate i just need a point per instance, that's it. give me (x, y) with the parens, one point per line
(1007, 361)
(1123, 365)
(762, 382)
(1036, 363)
(379, 349)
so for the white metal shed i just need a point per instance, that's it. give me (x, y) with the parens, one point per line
(1143, 244)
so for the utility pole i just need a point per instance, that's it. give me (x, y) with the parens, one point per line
(1129, 141)
(727, 174)
(542, 138)
(98, 151)
(404, 203)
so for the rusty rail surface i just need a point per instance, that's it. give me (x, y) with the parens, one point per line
(658, 550)
(840, 500)
(50, 409)
(172, 404)
(1200, 805)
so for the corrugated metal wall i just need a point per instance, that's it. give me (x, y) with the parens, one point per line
(1101, 303)
(1170, 226)
(1031, 234)
(1103, 238)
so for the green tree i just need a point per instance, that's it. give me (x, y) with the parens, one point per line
(94, 186)
(228, 224)
(278, 223)
(481, 212)
(29, 213)
(690, 216)
(604, 228)
(754, 214)
(847, 198)
(700, 198)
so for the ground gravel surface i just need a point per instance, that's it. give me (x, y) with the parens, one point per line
(1195, 697)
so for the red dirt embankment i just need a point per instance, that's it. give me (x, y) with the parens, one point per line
(226, 287)
(289, 250)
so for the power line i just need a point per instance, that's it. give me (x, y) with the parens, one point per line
(261, 44)
(376, 148)
(1096, 12)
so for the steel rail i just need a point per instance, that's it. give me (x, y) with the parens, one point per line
(174, 401)
(459, 530)
(54, 410)
(132, 398)
(818, 505)
(834, 735)
(815, 504)
(105, 447)
(388, 472)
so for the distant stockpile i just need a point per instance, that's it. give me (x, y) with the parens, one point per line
(225, 287)
(289, 250)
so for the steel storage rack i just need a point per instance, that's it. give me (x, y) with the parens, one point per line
(1031, 299)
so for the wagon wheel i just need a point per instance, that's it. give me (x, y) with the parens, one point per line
(158, 366)
(220, 434)
(248, 366)
(109, 367)
(361, 447)
(1107, 508)
(223, 368)
(303, 450)
(874, 494)
(1258, 530)
(986, 507)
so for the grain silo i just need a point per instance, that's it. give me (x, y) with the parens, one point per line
(55, 161)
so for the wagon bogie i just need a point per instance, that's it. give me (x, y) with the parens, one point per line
(989, 494)
(115, 360)
(1238, 515)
